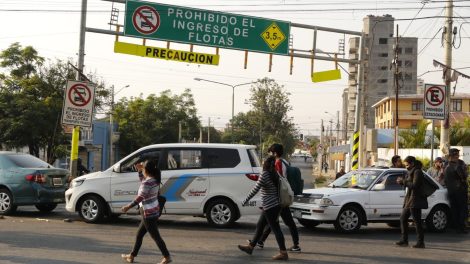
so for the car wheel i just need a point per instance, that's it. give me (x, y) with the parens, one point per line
(438, 219)
(6, 202)
(46, 208)
(348, 220)
(221, 213)
(308, 223)
(91, 209)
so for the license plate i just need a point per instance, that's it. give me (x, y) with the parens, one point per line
(57, 181)
(297, 214)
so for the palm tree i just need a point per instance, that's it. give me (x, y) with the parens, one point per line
(414, 138)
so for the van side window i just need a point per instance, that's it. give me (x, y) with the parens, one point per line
(128, 165)
(253, 158)
(223, 158)
(178, 159)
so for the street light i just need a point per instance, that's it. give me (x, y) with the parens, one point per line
(233, 95)
(111, 129)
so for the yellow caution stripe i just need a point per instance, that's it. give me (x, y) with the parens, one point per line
(165, 54)
(355, 151)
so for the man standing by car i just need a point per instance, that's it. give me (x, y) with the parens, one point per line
(396, 162)
(414, 201)
(437, 171)
(455, 178)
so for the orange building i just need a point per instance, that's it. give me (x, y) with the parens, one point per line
(410, 110)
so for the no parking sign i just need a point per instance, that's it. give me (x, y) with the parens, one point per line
(78, 104)
(434, 101)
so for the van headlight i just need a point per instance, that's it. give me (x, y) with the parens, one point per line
(326, 202)
(76, 183)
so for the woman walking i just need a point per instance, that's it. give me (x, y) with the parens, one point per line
(147, 198)
(268, 184)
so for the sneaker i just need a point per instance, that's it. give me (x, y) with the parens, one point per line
(402, 243)
(294, 249)
(281, 256)
(165, 260)
(128, 258)
(260, 244)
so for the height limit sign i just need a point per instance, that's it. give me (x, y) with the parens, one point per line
(434, 101)
(78, 104)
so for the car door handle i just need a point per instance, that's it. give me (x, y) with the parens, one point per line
(401, 196)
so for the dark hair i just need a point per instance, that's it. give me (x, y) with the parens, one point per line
(410, 159)
(395, 159)
(277, 148)
(151, 167)
(268, 164)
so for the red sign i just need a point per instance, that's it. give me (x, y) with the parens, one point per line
(146, 20)
(79, 95)
(434, 102)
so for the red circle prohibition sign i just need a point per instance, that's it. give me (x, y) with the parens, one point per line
(79, 95)
(146, 19)
(440, 98)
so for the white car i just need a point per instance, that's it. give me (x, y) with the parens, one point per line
(365, 196)
(197, 179)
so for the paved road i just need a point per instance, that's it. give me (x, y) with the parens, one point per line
(32, 237)
(306, 169)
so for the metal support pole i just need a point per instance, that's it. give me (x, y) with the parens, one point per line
(111, 128)
(233, 110)
(356, 148)
(209, 131)
(179, 131)
(432, 141)
(397, 88)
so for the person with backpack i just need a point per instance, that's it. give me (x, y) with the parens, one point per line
(268, 183)
(295, 180)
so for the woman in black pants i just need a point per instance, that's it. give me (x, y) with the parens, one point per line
(147, 198)
(267, 183)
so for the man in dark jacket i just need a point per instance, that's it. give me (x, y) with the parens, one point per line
(414, 201)
(455, 178)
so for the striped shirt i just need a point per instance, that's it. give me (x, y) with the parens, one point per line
(147, 197)
(269, 191)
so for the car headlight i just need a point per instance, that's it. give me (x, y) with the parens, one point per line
(326, 202)
(76, 183)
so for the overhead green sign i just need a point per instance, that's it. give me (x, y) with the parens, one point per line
(204, 27)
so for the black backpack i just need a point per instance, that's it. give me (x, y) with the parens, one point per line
(294, 177)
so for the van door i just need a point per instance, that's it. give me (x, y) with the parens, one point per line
(125, 183)
(185, 179)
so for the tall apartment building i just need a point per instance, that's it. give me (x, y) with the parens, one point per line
(378, 75)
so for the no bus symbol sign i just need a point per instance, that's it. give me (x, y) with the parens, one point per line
(78, 104)
(146, 19)
(434, 102)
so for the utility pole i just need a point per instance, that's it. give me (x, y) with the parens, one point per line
(397, 88)
(322, 147)
(337, 128)
(81, 59)
(179, 131)
(445, 137)
(209, 131)
(356, 148)
(111, 126)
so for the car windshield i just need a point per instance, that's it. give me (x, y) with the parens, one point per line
(27, 161)
(360, 179)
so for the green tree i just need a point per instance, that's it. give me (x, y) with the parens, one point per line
(459, 133)
(414, 138)
(155, 119)
(268, 121)
(31, 100)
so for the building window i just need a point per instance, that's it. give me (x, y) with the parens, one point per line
(457, 105)
(382, 81)
(417, 106)
(383, 55)
(408, 50)
(408, 64)
(408, 77)
(383, 41)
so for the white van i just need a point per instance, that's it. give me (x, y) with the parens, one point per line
(208, 180)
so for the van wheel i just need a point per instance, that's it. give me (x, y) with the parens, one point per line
(221, 213)
(348, 220)
(438, 219)
(308, 223)
(6, 202)
(91, 209)
(46, 208)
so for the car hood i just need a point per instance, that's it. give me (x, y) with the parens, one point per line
(327, 191)
(93, 175)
